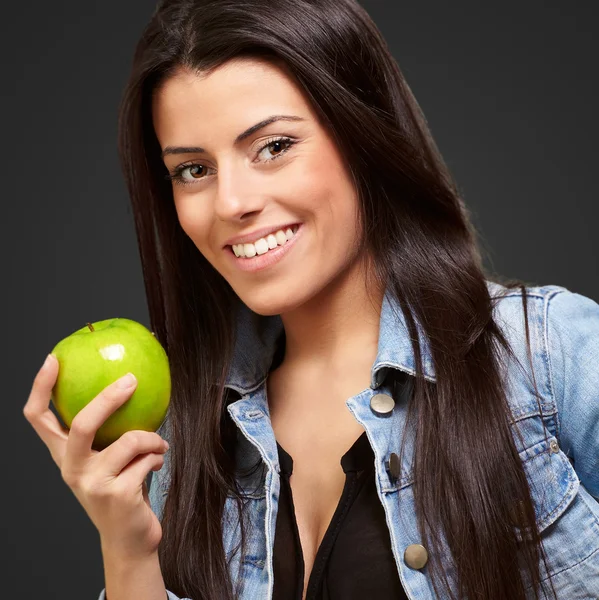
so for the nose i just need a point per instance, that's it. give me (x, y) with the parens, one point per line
(237, 192)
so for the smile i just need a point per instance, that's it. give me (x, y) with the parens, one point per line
(267, 251)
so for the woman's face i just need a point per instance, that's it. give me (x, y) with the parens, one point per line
(288, 172)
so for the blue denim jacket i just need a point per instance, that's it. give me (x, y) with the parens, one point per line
(560, 451)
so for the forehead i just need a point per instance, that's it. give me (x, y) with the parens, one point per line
(239, 92)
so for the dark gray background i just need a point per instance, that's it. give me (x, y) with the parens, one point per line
(509, 90)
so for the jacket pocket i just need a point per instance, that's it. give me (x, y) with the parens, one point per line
(552, 480)
(568, 522)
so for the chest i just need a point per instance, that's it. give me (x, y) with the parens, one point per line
(316, 429)
(321, 428)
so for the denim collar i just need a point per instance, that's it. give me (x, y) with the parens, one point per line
(257, 336)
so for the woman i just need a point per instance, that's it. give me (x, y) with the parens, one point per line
(358, 410)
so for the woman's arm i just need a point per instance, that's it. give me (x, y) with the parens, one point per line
(126, 579)
(572, 341)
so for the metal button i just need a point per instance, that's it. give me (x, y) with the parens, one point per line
(382, 404)
(415, 556)
(553, 446)
(393, 465)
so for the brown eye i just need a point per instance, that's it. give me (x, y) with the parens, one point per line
(194, 169)
(276, 148)
(179, 175)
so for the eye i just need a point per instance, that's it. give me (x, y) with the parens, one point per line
(280, 145)
(176, 175)
(285, 143)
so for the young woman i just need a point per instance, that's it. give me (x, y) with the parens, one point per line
(358, 410)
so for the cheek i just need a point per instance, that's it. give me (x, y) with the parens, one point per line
(333, 201)
(194, 222)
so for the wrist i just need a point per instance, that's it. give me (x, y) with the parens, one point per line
(116, 552)
(133, 576)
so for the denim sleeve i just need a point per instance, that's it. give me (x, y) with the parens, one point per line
(572, 338)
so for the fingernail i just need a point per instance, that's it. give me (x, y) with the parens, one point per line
(126, 381)
(47, 361)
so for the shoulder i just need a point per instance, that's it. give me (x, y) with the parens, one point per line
(563, 339)
(563, 327)
(509, 313)
(564, 344)
(554, 312)
(535, 294)
(571, 335)
(562, 322)
(556, 295)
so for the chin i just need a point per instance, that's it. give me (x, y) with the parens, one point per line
(266, 302)
(266, 308)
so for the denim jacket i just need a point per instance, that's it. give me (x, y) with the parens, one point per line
(560, 453)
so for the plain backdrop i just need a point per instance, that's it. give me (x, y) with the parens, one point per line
(509, 90)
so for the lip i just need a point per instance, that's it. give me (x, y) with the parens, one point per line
(252, 236)
(268, 259)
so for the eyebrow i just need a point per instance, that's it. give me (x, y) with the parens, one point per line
(242, 136)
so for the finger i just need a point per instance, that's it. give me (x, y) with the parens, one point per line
(91, 417)
(37, 410)
(131, 446)
(133, 476)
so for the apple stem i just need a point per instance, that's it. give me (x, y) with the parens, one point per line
(91, 327)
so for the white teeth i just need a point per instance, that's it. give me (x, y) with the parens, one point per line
(263, 245)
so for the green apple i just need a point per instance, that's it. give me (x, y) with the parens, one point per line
(98, 354)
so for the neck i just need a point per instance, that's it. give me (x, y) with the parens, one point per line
(338, 328)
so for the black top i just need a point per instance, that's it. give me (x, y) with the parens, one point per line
(354, 560)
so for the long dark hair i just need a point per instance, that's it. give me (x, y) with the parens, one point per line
(467, 471)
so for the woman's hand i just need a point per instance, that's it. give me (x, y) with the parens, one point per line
(110, 485)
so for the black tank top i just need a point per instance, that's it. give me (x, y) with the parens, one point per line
(354, 560)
